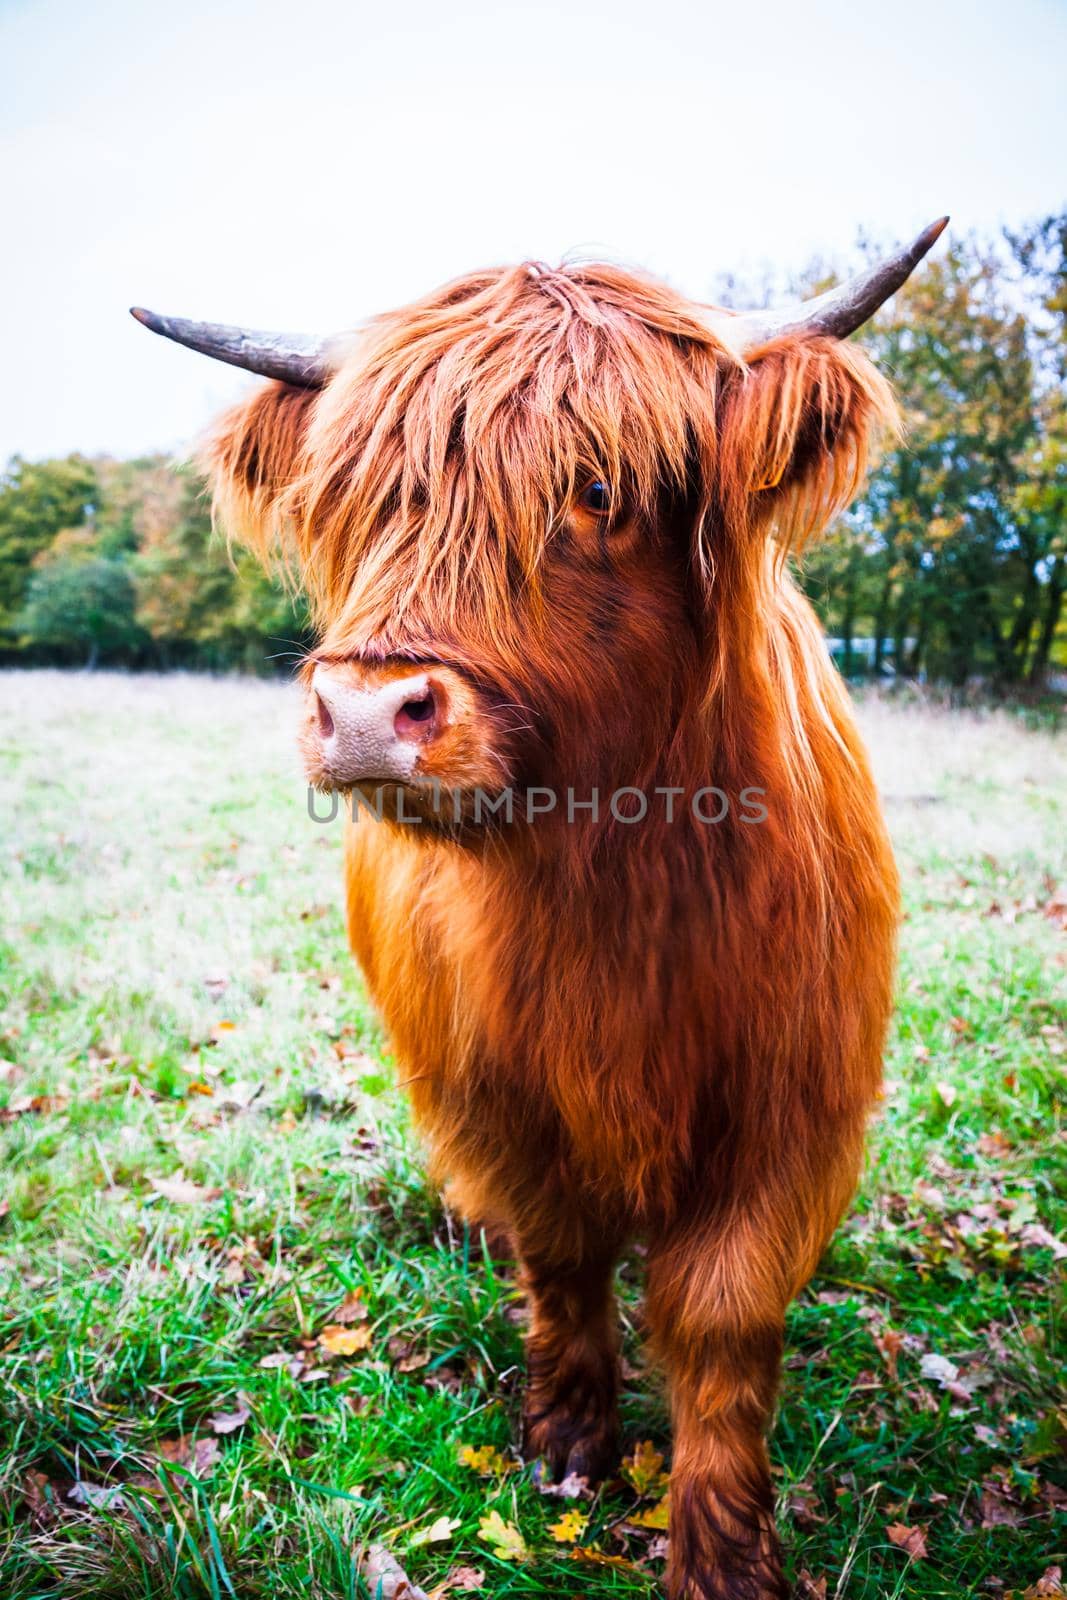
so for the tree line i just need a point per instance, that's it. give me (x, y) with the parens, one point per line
(953, 565)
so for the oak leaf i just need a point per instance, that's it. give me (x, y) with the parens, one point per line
(181, 1191)
(485, 1460)
(643, 1469)
(341, 1341)
(505, 1538)
(569, 1528)
(911, 1540)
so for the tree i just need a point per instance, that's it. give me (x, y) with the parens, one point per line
(38, 500)
(81, 607)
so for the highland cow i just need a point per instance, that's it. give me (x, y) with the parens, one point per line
(543, 518)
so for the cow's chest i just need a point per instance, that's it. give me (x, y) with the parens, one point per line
(581, 1032)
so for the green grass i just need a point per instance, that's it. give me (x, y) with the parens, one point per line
(160, 879)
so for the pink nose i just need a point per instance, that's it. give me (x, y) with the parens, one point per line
(374, 731)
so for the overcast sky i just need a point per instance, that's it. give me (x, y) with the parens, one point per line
(303, 163)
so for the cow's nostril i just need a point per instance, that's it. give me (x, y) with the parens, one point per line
(325, 720)
(420, 710)
(415, 717)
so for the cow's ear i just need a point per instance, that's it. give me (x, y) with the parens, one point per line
(796, 428)
(252, 458)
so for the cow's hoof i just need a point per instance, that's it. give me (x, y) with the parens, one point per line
(581, 1445)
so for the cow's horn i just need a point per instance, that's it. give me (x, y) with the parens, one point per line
(838, 312)
(296, 358)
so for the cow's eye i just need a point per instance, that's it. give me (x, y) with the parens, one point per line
(596, 497)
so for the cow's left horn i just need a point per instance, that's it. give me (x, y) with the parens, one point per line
(838, 312)
(296, 358)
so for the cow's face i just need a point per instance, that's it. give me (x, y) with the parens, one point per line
(580, 689)
(532, 513)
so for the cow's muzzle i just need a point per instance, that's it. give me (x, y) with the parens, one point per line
(395, 722)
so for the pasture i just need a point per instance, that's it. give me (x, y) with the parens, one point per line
(241, 1339)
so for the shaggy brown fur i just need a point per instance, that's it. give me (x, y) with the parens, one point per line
(665, 1029)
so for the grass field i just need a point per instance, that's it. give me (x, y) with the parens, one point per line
(205, 1165)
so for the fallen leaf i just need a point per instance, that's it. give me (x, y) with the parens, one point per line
(98, 1497)
(462, 1580)
(572, 1487)
(1049, 1583)
(643, 1469)
(344, 1341)
(386, 1578)
(37, 1495)
(36, 1104)
(997, 1510)
(810, 1588)
(656, 1516)
(994, 1145)
(283, 1358)
(889, 1344)
(350, 1310)
(1055, 908)
(438, 1532)
(804, 1506)
(569, 1528)
(485, 1460)
(588, 1552)
(939, 1368)
(198, 1456)
(507, 1541)
(230, 1421)
(182, 1191)
(911, 1540)
(1038, 1237)
(947, 1094)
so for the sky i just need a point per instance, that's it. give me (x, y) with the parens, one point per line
(304, 163)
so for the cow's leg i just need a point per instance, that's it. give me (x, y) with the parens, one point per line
(718, 1288)
(569, 1416)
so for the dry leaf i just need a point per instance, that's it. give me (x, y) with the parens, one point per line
(572, 1487)
(438, 1532)
(462, 1580)
(97, 1496)
(588, 1552)
(643, 1469)
(38, 1104)
(939, 1368)
(198, 1456)
(37, 1495)
(994, 1145)
(284, 1358)
(889, 1344)
(1038, 1237)
(656, 1516)
(911, 1540)
(810, 1588)
(569, 1528)
(229, 1421)
(485, 1460)
(1050, 1583)
(350, 1310)
(344, 1341)
(505, 1538)
(997, 1510)
(181, 1190)
(386, 1578)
